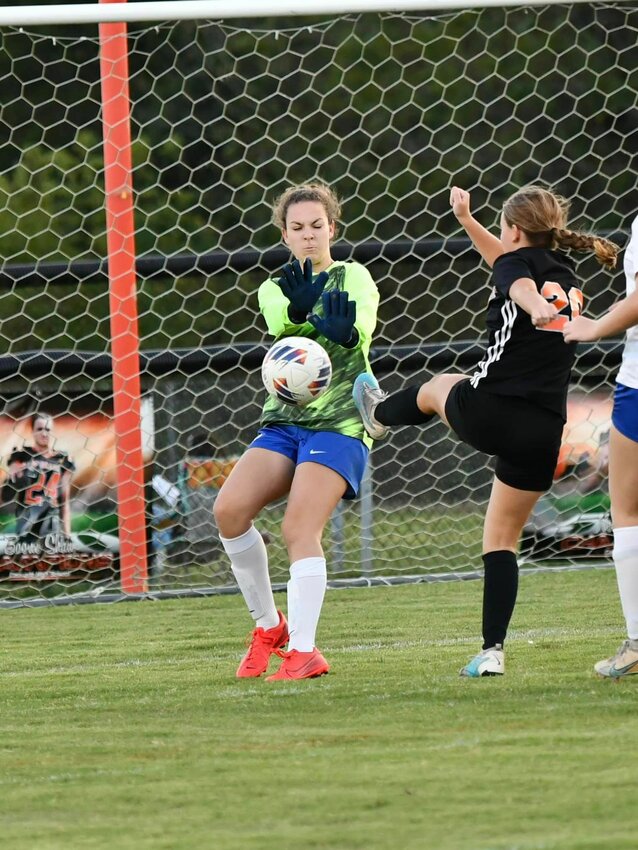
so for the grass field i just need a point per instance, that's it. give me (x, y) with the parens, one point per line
(123, 727)
(454, 542)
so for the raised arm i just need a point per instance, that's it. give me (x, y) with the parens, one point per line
(489, 247)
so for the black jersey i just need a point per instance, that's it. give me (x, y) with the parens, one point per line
(522, 360)
(37, 488)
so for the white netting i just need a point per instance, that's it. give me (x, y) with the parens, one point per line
(389, 109)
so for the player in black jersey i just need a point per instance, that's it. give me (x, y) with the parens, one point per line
(39, 481)
(514, 404)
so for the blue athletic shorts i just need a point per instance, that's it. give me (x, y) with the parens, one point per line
(624, 416)
(346, 455)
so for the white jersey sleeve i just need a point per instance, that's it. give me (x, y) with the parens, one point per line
(628, 374)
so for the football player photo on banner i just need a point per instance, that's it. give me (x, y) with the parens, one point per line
(58, 511)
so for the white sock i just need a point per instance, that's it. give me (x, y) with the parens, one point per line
(249, 563)
(626, 561)
(306, 589)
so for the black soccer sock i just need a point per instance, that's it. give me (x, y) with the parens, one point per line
(400, 408)
(499, 595)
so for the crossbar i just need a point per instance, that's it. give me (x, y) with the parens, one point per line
(169, 10)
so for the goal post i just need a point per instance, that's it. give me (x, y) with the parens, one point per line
(120, 234)
(138, 330)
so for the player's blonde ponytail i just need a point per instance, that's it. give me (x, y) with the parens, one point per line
(606, 252)
(542, 216)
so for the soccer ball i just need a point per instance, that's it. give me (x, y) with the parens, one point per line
(296, 370)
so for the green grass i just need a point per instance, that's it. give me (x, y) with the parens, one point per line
(453, 544)
(453, 540)
(123, 727)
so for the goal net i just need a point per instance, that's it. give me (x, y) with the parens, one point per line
(389, 108)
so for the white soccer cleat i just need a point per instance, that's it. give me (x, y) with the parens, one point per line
(489, 662)
(623, 663)
(367, 395)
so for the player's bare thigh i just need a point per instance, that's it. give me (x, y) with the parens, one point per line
(623, 479)
(315, 492)
(433, 394)
(506, 514)
(258, 478)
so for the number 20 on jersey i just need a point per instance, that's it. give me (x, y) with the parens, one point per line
(555, 294)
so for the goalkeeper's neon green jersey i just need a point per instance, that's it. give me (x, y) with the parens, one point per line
(334, 410)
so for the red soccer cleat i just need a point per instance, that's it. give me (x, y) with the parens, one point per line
(263, 643)
(300, 665)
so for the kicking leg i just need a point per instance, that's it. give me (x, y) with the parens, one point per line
(413, 405)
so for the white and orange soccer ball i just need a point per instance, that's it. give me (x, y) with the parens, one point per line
(296, 370)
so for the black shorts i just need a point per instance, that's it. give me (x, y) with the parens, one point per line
(524, 437)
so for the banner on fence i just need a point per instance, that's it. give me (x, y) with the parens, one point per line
(58, 517)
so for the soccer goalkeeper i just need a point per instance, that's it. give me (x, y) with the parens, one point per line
(313, 455)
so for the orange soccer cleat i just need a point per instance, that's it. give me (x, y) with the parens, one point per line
(300, 665)
(263, 643)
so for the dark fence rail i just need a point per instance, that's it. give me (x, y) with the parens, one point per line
(182, 265)
(595, 360)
